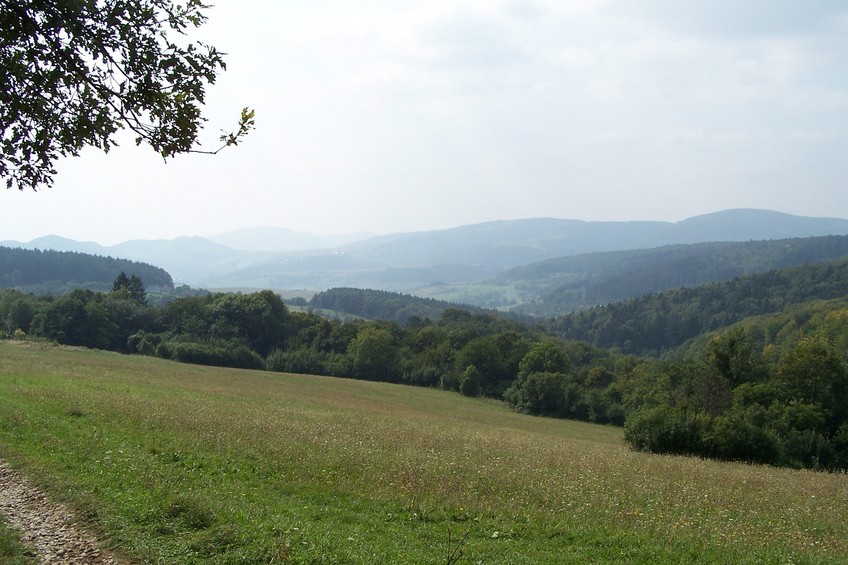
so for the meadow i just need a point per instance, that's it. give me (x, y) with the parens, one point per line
(12, 552)
(175, 463)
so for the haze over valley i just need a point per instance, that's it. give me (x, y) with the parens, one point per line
(475, 264)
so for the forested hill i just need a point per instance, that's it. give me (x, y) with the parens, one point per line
(382, 305)
(51, 270)
(659, 322)
(569, 284)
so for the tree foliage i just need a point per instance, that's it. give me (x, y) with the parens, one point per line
(382, 304)
(496, 359)
(78, 318)
(572, 283)
(653, 324)
(258, 319)
(132, 286)
(790, 412)
(74, 72)
(373, 354)
(770, 390)
(34, 269)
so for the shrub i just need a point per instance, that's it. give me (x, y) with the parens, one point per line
(449, 381)
(840, 448)
(226, 355)
(339, 365)
(807, 449)
(421, 375)
(666, 430)
(469, 382)
(143, 343)
(736, 438)
(541, 393)
(306, 361)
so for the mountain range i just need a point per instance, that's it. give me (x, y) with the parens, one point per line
(430, 263)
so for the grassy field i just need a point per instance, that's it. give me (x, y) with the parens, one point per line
(185, 464)
(11, 550)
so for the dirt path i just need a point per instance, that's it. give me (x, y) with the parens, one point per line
(46, 527)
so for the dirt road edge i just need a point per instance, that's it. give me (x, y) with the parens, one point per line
(48, 528)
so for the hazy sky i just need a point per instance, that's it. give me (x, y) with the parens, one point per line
(389, 116)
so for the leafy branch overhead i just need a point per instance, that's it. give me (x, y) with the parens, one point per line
(74, 72)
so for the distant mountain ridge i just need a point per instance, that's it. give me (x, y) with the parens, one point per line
(282, 239)
(567, 284)
(517, 242)
(406, 261)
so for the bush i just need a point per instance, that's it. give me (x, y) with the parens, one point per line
(143, 343)
(541, 393)
(338, 365)
(808, 449)
(469, 382)
(449, 381)
(666, 430)
(735, 437)
(226, 355)
(306, 361)
(840, 448)
(575, 402)
(425, 375)
(616, 414)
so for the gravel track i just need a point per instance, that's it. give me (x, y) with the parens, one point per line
(48, 529)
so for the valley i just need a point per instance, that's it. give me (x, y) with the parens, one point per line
(613, 405)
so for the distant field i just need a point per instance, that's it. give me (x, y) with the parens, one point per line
(482, 295)
(187, 464)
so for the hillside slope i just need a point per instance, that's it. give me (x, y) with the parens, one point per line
(567, 284)
(245, 467)
(659, 322)
(30, 269)
(409, 261)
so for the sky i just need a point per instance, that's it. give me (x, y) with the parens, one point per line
(397, 116)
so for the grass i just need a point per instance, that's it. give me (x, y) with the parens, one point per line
(12, 552)
(185, 464)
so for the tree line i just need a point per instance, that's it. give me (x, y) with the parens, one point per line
(473, 353)
(769, 392)
(655, 323)
(382, 304)
(776, 405)
(47, 270)
(569, 284)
